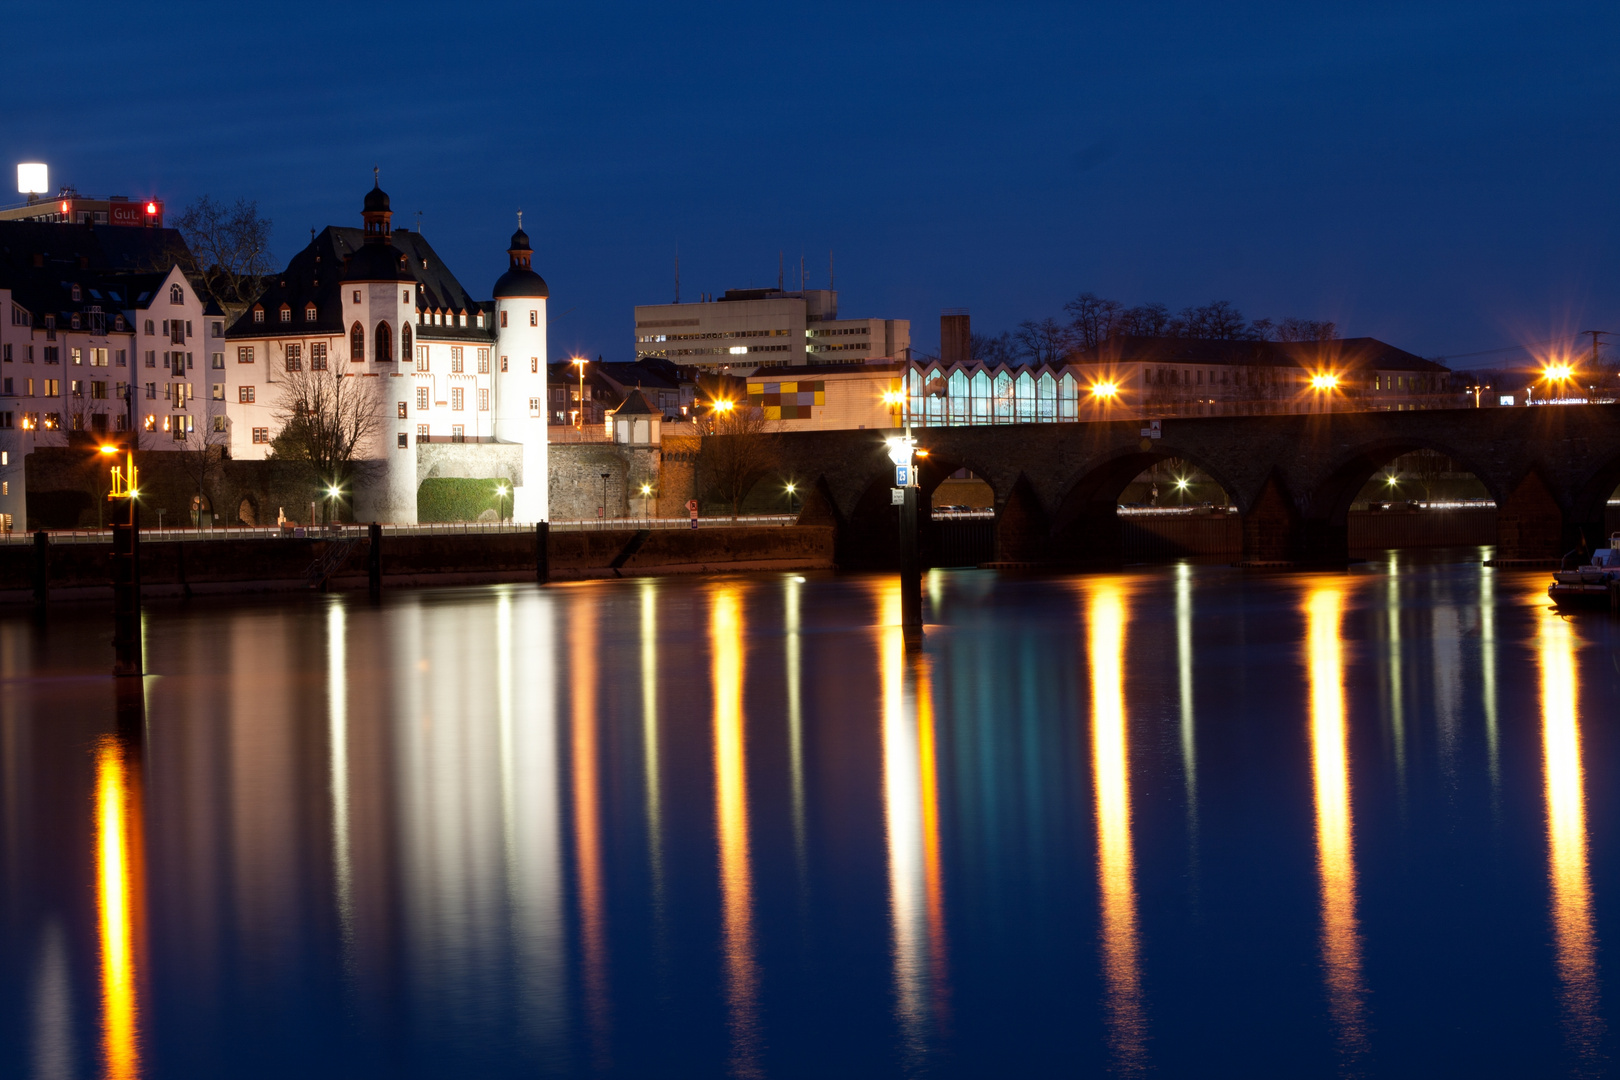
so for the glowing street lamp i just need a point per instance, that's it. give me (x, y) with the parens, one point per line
(579, 417)
(500, 500)
(1106, 390)
(1324, 382)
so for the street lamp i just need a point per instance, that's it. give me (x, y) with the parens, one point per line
(604, 498)
(332, 494)
(500, 500)
(646, 495)
(1558, 374)
(791, 488)
(579, 417)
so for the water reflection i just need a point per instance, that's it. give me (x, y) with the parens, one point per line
(1574, 935)
(1105, 652)
(911, 813)
(1330, 766)
(582, 650)
(731, 820)
(337, 708)
(794, 647)
(118, 888)
(1184, 682)
(649, 739)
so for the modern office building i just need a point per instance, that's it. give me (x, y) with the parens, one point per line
(745, 330)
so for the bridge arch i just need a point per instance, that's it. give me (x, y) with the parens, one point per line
(1333, 496)
(1085, 523)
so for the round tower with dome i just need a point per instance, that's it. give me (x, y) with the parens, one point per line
(378, 304)
(519, 379)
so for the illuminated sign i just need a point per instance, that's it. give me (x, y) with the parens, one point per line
(137, 213)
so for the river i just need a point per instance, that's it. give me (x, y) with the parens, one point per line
(1178, 821)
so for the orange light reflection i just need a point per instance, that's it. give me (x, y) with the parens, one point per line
(1335, 856)
(117, 847)
(1574, 935)
(731, 821)
(1105, 649)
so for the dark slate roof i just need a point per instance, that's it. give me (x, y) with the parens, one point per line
(1339, 353)
(316, 275)
(521, 281)
(639, 373)
(115, 249)
(635, 404)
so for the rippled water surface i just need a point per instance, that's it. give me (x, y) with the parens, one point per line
(1183, 821)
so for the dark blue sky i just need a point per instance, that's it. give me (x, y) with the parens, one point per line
(1440, 177)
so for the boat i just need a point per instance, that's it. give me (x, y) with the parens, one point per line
(1593, 585)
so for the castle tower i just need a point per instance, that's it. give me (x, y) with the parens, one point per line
(378, 309)
(519, 378)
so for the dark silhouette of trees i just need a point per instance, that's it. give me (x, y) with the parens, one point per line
(230, 250)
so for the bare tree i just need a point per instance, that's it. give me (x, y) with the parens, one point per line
(201, 455)
(736, 453)
(325, 419)
(999, 349)
(1218, 321)
(1093, 319)
(230, 249)
(1045, 342)
(1292, 329)
(1145, 320)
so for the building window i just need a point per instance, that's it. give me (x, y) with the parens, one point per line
(244, 355)
(421, 432)
(77, 356)
(458, 433)
(151, 392)
(123, 358)
(404, 341)
(219, 361)
(503, 318)
(149, 327)
(295, 357)
(219, 423)
(483, 361)
(151, 358)
(317, 356)
(503, 363)
(217, 329)
(403, 410)
(534, 317)
(534, 406)
(98, 389)
(261, 434)
(98, 357)
(404, 441)
(357, 296)
(219, 391)
(258, 314)
(286, 313)
(309, 313)
(244, 395)
(421, 358)
(385, 344)
(176, 295)
(534, 365)
(76, 296)
(483, 401)
(456, 399)
(421, 399)
(357, 340)
(405, 296)
(455, 360)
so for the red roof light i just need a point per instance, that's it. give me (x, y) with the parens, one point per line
(151, 208)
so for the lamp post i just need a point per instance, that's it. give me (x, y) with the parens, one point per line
(646, 498)
(579, 417)
(791, 490)
(125, 564)
(604, 498)
(500, 500)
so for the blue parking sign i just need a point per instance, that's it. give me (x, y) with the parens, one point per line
(902, 476)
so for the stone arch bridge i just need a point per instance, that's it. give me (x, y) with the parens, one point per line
(1550, 469)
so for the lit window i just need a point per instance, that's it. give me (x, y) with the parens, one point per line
(402, 410)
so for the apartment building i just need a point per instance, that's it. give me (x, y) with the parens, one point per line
(746, 330)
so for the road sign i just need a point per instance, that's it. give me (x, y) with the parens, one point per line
(902, 476)
(691, 504)
(897, 496)
(1153, 429)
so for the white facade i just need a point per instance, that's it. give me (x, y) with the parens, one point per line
(750, 329)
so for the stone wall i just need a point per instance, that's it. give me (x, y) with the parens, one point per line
(470, 461)
(576, 480)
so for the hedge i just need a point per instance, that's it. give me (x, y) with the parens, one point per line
(449, 498)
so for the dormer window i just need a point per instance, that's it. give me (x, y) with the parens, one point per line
(309, 313)
(461, 320)
(177, 295)
(258, 314)
(480, 320)
(76, 295)
(75, 320)
(286, 313)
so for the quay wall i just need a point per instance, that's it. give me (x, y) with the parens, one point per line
(170, 567)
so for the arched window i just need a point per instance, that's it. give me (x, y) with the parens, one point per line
(385, 344)
(404, 342)
(357, 344)
(176, 296)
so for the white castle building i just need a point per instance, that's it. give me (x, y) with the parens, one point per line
(377, 304)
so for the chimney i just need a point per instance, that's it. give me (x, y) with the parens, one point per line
(955, 337)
